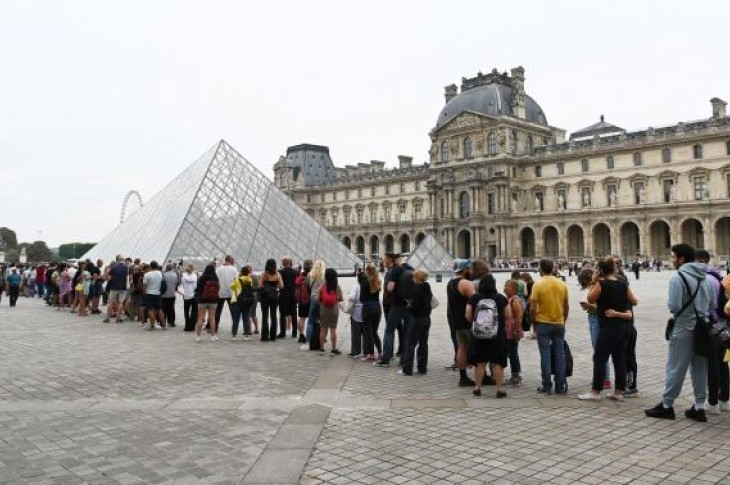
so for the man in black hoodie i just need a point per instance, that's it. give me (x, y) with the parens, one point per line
(419, 307)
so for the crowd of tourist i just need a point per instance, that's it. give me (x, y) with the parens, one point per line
(486, 323)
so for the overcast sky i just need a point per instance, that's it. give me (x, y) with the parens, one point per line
(100, 97)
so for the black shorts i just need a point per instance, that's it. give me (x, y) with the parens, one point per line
(152, 302)
(288, 306)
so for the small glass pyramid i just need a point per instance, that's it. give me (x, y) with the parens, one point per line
(222, 204)
(431, 256)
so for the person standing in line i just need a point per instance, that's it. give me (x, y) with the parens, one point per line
(40, 279)
(226, 274)
(419, 307)
(242, 294)
(270, 285)
(152, 282)
(116, 276)
(585, 280)
(514, 331)
(690, 296)
(400, 287)
(303, 295)
(207, 292)
(482, 309)
(356, 321)
(718, 377)
(371, 313)
(97, 284)
(287, 303)
(458, 292)
(549, 312)
(13, 281)
(190, 304)
(316, 282)
(330, 295)
(613, 300)
(168, 297)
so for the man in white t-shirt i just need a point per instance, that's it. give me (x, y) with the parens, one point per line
(227, 273)
(152, 282)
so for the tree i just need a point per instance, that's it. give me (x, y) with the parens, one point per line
(10, 239)
(74, 250)
(37, 251)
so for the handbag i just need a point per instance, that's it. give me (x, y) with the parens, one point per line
(347, 306)
(703, 344)
(434, 302)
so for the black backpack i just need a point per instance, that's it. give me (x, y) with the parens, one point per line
(246, 296)
(163, 285)
(405, 285)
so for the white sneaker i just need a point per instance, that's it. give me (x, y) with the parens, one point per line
(710, 409)
(589, 396)
(246, 338)
(146, 326)
(214, 338)
(304, 347)
(724, 406)
(197, 339)
(158, 327)
(234, 337)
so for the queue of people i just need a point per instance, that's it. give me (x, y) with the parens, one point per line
(486, 324)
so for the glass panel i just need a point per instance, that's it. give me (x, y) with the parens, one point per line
(431, 256)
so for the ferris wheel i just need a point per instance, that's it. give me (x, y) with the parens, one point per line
(126, 203)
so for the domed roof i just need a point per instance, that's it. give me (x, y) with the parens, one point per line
(491, 99)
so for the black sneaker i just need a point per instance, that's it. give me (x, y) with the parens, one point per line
(382, 363)
(477, 392)
(696, 414)
(302, 339)
(543, 390)
(501, 394)
(466, 381)
(659, 411)
(422, 371)
(335, 351)
(293, 335)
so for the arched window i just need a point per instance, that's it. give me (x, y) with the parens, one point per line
(467, 147)
(464, 205)
(492, 143)
(529, 145)
(697, 152)
(444, 152)
(513, 142)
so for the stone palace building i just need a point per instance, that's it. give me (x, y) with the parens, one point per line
(502, 183)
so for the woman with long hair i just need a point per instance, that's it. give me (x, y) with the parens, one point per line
(330, 295)
(585, 280)
(270, 283)
(206, 293)
(613, 299)
(304, 300)
(316, 281)
(370, 287)
(488, 350)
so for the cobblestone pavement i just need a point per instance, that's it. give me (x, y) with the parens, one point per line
(87, 402)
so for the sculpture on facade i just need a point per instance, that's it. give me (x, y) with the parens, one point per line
(586, 199)
(561, 202)
(612, 198)
(537, 204)
(642, 195)
(514, 204)
(672, 194)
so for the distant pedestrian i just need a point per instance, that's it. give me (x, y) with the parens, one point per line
(190, 304)
(419, 307)
(13, 281)
(330, 295)
(206, 293)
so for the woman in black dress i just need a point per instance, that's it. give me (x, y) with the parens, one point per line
(489, 350)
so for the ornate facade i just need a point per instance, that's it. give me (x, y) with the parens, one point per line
(502, 183)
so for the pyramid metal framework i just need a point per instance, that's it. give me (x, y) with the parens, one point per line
(221, 204)
(431, 256)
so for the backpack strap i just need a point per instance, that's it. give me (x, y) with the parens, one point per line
(689, 292)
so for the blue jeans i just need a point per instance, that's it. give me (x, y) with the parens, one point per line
(396, 314)
(312, 318)
(550, 338)
(682, 356)
(595, 330)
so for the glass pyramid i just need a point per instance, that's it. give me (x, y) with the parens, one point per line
(222, 204)
(431, 256)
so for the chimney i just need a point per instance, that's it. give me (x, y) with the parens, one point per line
(405, 161)
(450, 92)
(518, 92)
(718, 108)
